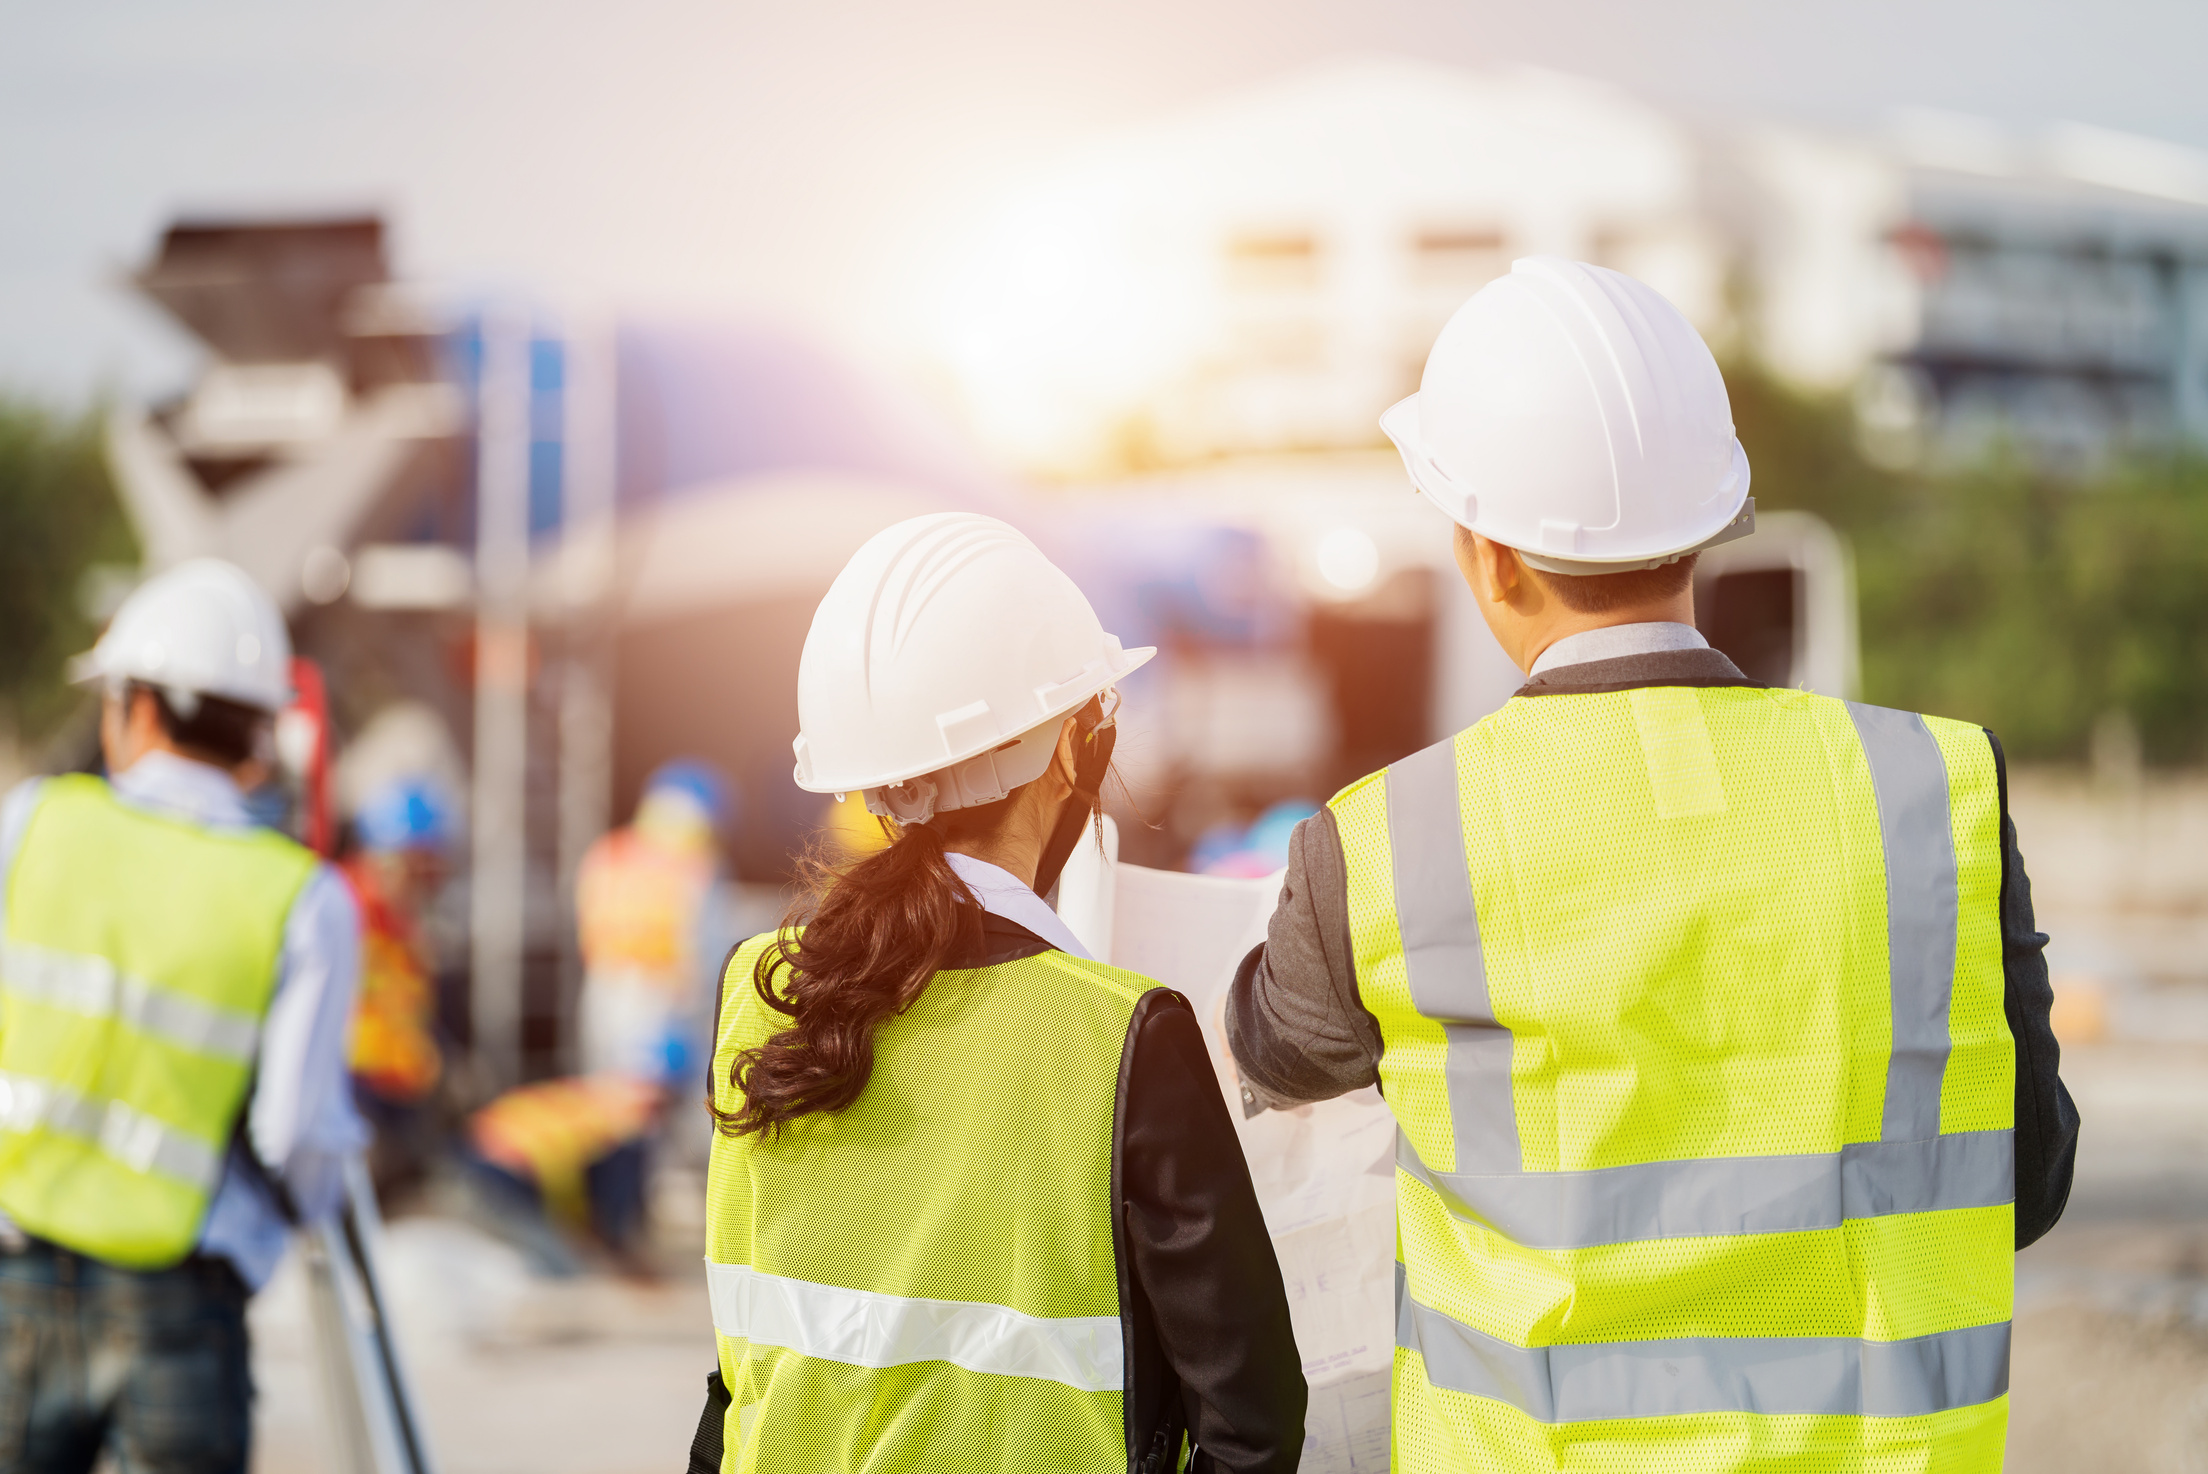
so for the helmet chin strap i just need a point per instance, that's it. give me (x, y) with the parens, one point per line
(1089, 767)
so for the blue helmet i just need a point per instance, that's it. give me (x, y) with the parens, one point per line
(405, 814)
(698, 780)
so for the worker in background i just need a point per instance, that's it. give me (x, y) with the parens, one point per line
(565, 1164)
(976, 1202)
(1713, 1016)
(396, 867)
(640, 900)
(174, 989)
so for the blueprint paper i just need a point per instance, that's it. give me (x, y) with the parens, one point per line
(1325, 1173)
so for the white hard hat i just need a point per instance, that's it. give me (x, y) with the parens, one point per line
(1572, 413)
(946, 653)
(202, 628)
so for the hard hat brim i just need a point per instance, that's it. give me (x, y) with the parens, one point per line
(1400, 424)
(88, 669)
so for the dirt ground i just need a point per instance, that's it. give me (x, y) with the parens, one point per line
(2110, 1363)
(2093, 1388)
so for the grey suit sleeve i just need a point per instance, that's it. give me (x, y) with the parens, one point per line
(1295, 1024)
(2046, 1120)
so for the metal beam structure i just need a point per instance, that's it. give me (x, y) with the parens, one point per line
(499, 887)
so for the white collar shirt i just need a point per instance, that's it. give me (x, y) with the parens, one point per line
(1001, 893)
(1614, 641)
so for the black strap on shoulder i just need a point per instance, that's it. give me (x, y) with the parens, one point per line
(705, 1444)
(1089, 768)
(999, 939)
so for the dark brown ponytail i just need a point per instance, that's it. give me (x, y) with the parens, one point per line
(876, 930)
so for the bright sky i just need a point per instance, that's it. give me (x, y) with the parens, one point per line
(818, 160)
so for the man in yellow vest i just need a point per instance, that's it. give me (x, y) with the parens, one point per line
(1712, 1016)
(174, 989)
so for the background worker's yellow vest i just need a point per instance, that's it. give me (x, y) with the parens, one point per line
(135, 972)
(925, 1280)
(1691, 1003)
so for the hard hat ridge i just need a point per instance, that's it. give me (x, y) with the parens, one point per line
(939, 665)
(1571, 412)
(919, 570)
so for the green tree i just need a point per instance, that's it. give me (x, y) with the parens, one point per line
(2029, 602)
(58, 516)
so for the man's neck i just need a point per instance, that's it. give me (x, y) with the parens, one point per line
(170, 752)
(1566, 624)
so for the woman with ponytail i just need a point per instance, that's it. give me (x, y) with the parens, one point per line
(976, 1203)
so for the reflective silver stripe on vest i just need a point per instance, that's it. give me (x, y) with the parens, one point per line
(84, 984)
(867, 1329)
(1440, 928)
(1707, 1197)
(1910, 777)
(1771, 1375)
(137, 1141)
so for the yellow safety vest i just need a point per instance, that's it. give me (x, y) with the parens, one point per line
(1691, 1005)
(135, 972)
(925, 1280)
(637, 901)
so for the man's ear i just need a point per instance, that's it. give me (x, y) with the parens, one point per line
(1491, 569)
(1509, 570)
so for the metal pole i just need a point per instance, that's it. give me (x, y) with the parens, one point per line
(501, 695)
(586, 682)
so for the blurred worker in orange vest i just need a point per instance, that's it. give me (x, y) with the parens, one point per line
(640, 900)
(396, 869)
(574, 1154)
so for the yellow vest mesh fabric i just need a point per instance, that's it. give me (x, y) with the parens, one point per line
(1980, 1089)
(1681, 901)
(975, 1167)
(193, 913)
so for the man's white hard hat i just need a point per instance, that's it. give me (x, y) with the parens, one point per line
(940, 665)
(1572, 413)
(202, 628)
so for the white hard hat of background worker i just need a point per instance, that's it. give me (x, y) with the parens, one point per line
(940, 668)
(202, 628)
(1572, 413)
(210, 648)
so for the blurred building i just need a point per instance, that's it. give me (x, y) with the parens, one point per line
(1267, 274)
(1974, 285)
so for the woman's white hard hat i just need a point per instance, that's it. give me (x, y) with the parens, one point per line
(940, 665)
(1571, 412)
(202, 628)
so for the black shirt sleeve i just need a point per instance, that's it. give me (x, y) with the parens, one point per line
(2046, 1120)
(1205, 1297)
